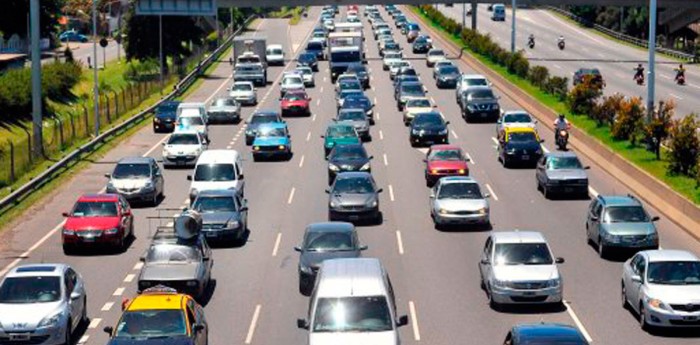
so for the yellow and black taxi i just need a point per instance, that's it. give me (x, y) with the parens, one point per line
(519, 145)
(160, 315)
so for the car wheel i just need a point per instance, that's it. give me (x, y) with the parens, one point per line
(623, 297)
(68, 249)
(83, 317)
(545, 192)
(643, 319)
(69, 335)
(602, 249)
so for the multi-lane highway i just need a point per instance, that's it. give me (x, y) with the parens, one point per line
(255, 299)
(584, 48)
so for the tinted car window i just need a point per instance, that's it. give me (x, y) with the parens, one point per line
(427, 119)
(351, 115)
(563, 163)
(95, 209)
(349, 152)
(625, 214)
(459, 191)
(191, 121)
(211, 204)
(674, 273)
(352, 314)
(481, 94)
(21, 290)
(183, 139)
(341, 131)
(124, 170)
(335, 241)
(522, 137)
(446, 155)
(517, 118)
(223, 102)
(242, 87)
(214, 172)
(173, 253)
(258, 119)
(353, 186)
(151, 324)
(522, 254)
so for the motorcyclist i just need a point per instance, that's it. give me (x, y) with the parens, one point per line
(639, 72)
(560, 40)
(531, 40)
(680, 72)
(561, 123)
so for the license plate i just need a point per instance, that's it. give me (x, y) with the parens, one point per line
(690, 318)
(528, 293)
(88, 239)
(525, 157)
(354, 217)
(19, 336)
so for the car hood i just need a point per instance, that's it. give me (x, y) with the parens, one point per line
(169, 271)
(629, 228)
(218, 217)
(566, 174)
(353, 338)
(182, 340)
(418, 110)
(451, 165)
(129, 183)
(20, 316)
(215, 185)
(525, 272)
(91, 223)
(453, 205)
(347, 199)
(675, 294)
(270, 141)
(349, 164)
(530, 145)
(227, 108)
(314, 259)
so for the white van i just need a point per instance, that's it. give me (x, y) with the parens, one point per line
(274, 54)
(499, 13)
(352, 303)
(190, 108)
(216, 170)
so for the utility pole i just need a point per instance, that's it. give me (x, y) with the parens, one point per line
(160, 47)
(475, 10)
(512, 29)
(218, 32)
(37, 142)
(96, 91)
(651, 79)
(464, 14)
(119, 35)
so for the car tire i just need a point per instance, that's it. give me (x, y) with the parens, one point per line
(84, 320)
(602, 249)
(68, 249)
(623, 296)
(69, 333)
(643, 319)
(255, 158)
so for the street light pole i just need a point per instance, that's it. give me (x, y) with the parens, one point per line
(96, 94)
(512, 29)
(464, 14)
(160, 47)
(37, 142)
(652, 60)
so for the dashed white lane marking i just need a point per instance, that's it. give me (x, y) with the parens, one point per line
(129, 278)
(493, 194)
(138, 266)
(432, 101)
(253, 323)
(324, 79)
(545, 149)
(107, 306)
(391, 193)
(83, 339)
(381, 135)
(118, 292)
(414, 320)
(578, 323)
(301, 161)
(593, 192)
(94, 323)
(313, 118)
(308, 136)
(386, 162)
(291, 196)
(228, 147)
(676, 96)
(318, 102)
(454, 134)
(471, 160)
(377, 116)
(399, 241)
(277, 244)
(375, 100)
(665, 76)
(556, 66)
(321, 90)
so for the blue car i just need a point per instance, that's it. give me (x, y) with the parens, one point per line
(545, 333)
(308, 59)
(165, 117)
(272, 141)
(72, 36)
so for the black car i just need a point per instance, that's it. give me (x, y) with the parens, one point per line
(428, 129)
(348, 157)
(165, 117)
(544, 333)
(446, 77)
(224, 215)
(308, 59)
(519, 147)
(317, 48)
(360, 70)
(323, 241)
(360, 101)
(421, 45)
(479, 103)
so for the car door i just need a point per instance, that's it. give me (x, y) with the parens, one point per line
(126, 217)
(595, 220)
(74, 304)
(541, 172)
(485, 262)
(635, 287)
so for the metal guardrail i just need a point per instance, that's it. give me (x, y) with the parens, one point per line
(179, 88)
(622, 37)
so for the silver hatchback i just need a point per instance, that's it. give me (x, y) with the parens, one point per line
(41, 304)
(458, 200)
(137, 179)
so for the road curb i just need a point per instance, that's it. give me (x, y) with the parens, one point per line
(671, 204)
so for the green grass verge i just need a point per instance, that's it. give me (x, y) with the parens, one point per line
(638, 155)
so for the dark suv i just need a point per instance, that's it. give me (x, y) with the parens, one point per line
(360, 71)
(165, 117)
(479, 103)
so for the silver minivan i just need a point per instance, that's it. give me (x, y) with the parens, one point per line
(352, 302)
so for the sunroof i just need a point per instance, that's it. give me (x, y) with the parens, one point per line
(36, 269)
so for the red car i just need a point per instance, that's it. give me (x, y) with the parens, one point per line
(444, 160)
(97, 219)
(296, 102)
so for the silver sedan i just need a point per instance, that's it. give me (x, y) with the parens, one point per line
(458, 200)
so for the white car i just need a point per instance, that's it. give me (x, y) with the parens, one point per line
(466, 81)
(515, 118)
(308, 75)
(217, 169)
(318, 36)
(244, 92)
(183, 148)
(434, 55)
(291, 81)
(193, 122)
(395, 67)
(329, 25)
(391, 58)
(415, 106)
(274, 54)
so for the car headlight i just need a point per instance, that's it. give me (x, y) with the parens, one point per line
(365, 167)
(552, 283)
(658, 304)
(110, 186)
(471, 107)
(51, 321)
(333, 204)
(164, 154)
(68, 232)
(443, 211)
(372, 203)
(333, 167)
(111, 231)
(156, 120)
(370, 112)
(499, 283)
(191, 283)
(193, 193)
(281, 147)
(415, 131)
(305, 269)
(443, 132)
(483, 211)
(256, 148)
(148, 185)
(510, 151)
(232, 224)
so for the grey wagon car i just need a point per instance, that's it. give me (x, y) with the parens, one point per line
(354, 196)
(137, 179)
(562, 173)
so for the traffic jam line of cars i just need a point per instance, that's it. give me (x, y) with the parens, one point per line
(351, 297)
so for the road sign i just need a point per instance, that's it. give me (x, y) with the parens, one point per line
(103, 42)
(176, 7)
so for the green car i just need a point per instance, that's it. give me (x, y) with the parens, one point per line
(339, 134)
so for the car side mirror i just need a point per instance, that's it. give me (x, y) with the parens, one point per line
(485, 262)
(370, 158)
(323, 136)
(297, 248)
(65, 214)
(108, 330)
(189, 177)
(302, 323)
(655, 219)
(559, 260)
(380, 190)
(587, 167)
(328, 191)
(164, 143)
(541, 140)
(403, 321)
(142, 258)
(108, 175)
(364, 247)
(198, 327)
(447, 123)
(594, 218)
(241, 177)
(75, 295)
(637, 279)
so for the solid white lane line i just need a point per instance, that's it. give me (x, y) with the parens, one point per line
(377, 116)
(94, 323)
(313, 118)
(129, 278)
(291, 196)
(391, 193)
(545, 149)
(157, 145)
(138, 266)
(107, 306)
(493, 194)
(578, 323)
(301, 161)
(217, 90)
(414, 320)
(375, 100)
(253, 323)
(454, 134)
(31, 249)
(676, 96)
(593, 192)
(308, 136)
(277, 244)
(381, 135)
(118, 292)
(386, 162)
(495, 141)
(399, 240)
(83, 339)
(471, 160)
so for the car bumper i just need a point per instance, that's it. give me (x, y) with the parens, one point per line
(296, 111)
(522, 158)
(39, 336)
(188, 160)
(353, 215)
(433, 178)
(567, 188)
(447, 219)
(665, 318)
(100, 239)
(272, 153)
(139, 195)
(512, 296)
(484, 115)
(164, 126)
(428, 139)
(621, 242)
(223, 234)
(245, 100)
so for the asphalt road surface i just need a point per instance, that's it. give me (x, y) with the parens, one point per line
(255, 299)
(585, 48)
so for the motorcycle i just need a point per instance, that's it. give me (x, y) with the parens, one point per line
(639, 79)
(562, 139)
(561, 45)
(680, 80)
(531, 44)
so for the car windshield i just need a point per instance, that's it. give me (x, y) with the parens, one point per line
(427, 119)
(674, 273)
(349, 152)
(95, 209)
(358, 185)
(475, 81)
(350, 85)
(183, 139)
(436, 53)
(314, 46)
(258, 119)
(459, 191)
(449, 70)
(625, 214)
(412, 89)
(294, 97)
(421, 40)
(522, 254)
(242, 87)
(481, 94)
(522, 137)
(275, 51)
(170, 253)
(270, 132)
(307, 57)
(341, 132)
(191, 121)
(224, 102)
(517, 118)
(214, 204)
(214, 172)
(446, 155)
(350, 93)
(352, 115)
(356, 102)
(319, 241)
(20, 290)
(151, 324)
(418, 103)
(555, 163)
(391, 46)
(352, 314)
(127, 170)
(292, 81)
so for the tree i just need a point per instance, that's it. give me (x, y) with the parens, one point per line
(660, 126)
(13, 17)
(629, 119)
(582, 98)
(684, 145)
(605, 111)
